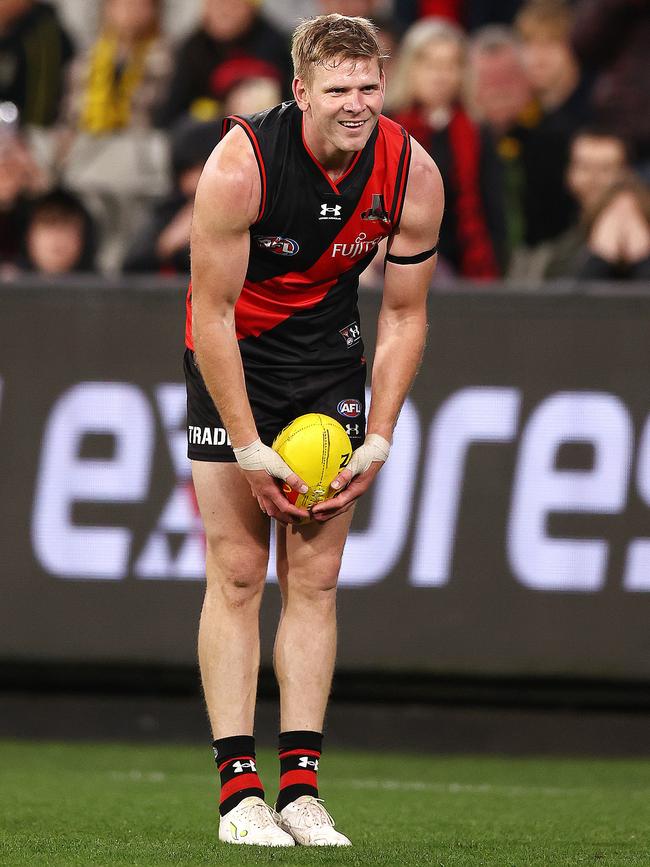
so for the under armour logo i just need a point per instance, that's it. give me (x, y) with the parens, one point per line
(330, 212)
(351, 334)
(352, 430)
(306, 762)
(239, 766)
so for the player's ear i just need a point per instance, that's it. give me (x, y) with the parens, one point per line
(301, 94)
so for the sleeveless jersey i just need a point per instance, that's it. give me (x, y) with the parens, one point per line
(312, 239)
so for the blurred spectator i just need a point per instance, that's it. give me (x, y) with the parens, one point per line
(613, 37)
(81, 18)
(106, 149)
(501, 98)
(163, 243)
(553, 69)
(59, 237)
(426, 101)
(115, 85)
(20, 179)
(34, 51)
(234, 40)
(611, 236)
(499, 89)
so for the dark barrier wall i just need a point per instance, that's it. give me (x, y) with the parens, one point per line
(508, 534)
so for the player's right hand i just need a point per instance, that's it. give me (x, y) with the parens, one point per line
(262, 467)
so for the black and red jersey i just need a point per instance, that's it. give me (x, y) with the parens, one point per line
(312, 239)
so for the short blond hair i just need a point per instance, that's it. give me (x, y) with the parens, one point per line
(330, 40)
(550, 19)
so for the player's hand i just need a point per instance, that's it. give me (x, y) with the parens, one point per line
(262, 467)
(335, 506)
(355, 479)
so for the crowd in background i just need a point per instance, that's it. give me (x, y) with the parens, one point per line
(536, 113)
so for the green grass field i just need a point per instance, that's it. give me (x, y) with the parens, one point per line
(89, 804)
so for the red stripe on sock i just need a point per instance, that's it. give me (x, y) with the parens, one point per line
(243, 781)
(314, 753)
(293, 778)
(234, 759)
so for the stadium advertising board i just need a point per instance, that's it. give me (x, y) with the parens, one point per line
(508, 534)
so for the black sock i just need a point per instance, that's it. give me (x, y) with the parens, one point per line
(299, 758)
(235, 758)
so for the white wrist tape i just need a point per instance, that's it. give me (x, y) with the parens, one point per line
(374, 448)
(257, 456)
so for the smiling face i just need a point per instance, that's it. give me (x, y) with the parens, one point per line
(341, 104)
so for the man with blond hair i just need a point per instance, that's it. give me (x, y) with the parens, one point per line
(290, 209)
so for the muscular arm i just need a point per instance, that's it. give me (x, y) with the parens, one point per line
(402, 325)
(227, 203)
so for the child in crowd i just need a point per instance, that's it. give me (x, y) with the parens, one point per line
(59, 238)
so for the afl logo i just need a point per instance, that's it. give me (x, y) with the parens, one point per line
(277, 244)
(349, 408)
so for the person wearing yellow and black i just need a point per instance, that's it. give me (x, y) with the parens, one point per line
(116, 84)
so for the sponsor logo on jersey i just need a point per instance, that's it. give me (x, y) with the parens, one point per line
(361, 246)
(352, 430)
(377, 211)
(278, 244)
(330, 212)
(350, 408)
(351, 334)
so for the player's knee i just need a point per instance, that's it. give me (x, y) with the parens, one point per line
(317, 580)
(240, 589)
(237, 576)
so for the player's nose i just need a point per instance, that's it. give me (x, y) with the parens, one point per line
(354, 103)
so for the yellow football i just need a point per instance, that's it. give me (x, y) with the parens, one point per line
(316, 447)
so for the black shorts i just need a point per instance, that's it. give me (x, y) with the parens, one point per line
(275, 401)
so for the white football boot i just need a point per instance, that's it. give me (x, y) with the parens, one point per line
(254, 823)
(309, 823)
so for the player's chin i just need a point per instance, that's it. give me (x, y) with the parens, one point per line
(354, 139)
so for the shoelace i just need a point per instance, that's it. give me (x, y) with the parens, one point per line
(260, 815)
(313, 813)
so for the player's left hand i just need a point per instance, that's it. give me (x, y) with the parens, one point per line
(328, 509)
(355, 479)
